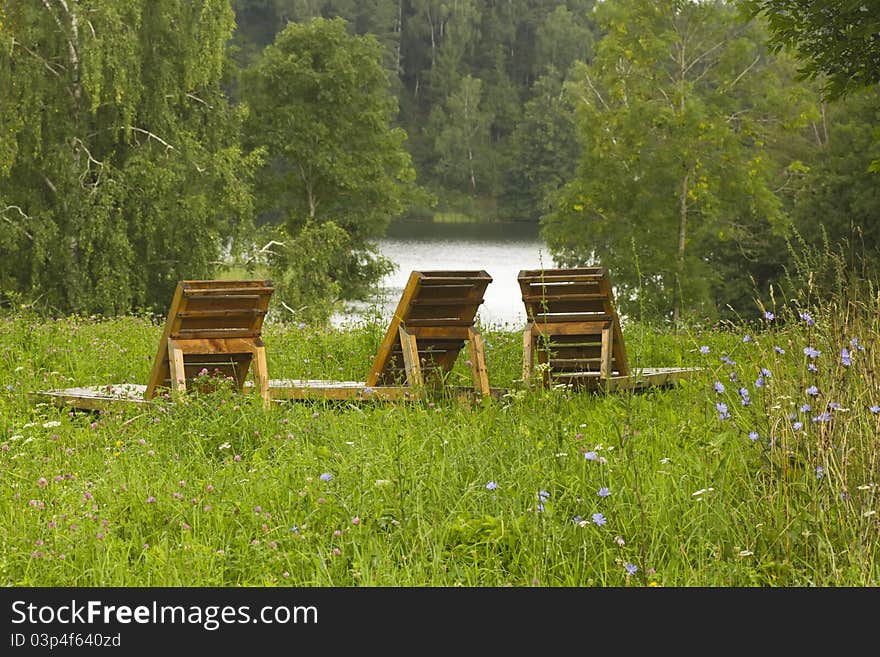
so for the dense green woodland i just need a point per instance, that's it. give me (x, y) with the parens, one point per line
(701, 150)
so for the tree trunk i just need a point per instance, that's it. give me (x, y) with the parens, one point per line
(682, 238)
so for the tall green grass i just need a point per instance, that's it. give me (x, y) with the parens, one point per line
(543, 487)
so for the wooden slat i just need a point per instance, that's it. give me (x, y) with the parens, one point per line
(565, 307)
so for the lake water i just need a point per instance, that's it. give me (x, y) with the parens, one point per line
(502, 249)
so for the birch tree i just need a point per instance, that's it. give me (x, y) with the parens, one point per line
(120, 170)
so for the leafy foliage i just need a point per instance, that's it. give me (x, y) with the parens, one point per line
(674, 171)
(836, 40)
(120, 169)
(321, 110)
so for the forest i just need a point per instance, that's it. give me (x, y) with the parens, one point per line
(701, 150)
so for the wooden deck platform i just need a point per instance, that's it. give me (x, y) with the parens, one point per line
(107, 397)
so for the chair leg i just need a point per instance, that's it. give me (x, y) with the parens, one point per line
(478, 362)
(411, 363)
(261, 375)
(528, 355)
(176, 368)
(605, 368)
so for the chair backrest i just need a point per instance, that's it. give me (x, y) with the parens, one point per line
(437, 308)
(568, 308)
(217, 324)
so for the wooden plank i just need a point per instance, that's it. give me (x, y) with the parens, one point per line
(457, 312)
(438, 322)
(561, 295)
(295, 389)
(177, 372)
(559, 278)
(562, 306)
(392, 335)
(478, 362)
(213, 333)
(547, 318)
(261, 375)
(620, 357)
(528, 354)
(607, 343)
(411, 360)
(439, 332)
(221, 313)
(553, 329)
(159, 371)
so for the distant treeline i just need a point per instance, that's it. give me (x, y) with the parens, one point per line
(677, 142)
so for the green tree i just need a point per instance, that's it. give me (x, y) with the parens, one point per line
(839, 197)
(321, 109)
(674, 171)
(837, 40)
(461, 127)
(544, 149)
(120, 166)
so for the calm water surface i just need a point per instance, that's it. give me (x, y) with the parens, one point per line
(502, 249)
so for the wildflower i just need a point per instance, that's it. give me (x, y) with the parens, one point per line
(151, 499)
(797, 426)
(855, 343)
(619, 540)
(759, 382)
(87, 496)
(875, 409)
(543, 495)
(599, 519)
(704, 349)
(491, 485)
(539, 507)
(822, 417)
(744, 396)
(806, 317)
(326, 476)
(812, 367)
(747, 338)
(591, 456)
(719, 387)
(820, 472)
(604, 492)
(356, 520)
(722, 410)
(811, 352)
(236, 458)
(42, 483)
(753, 436)
(769, 316)
(766, 373)
(727, 361)
(778, 350)
(845, 359)
(813, 391)
(630, 568)
(805, 408)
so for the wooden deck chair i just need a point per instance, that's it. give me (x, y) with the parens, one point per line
(434, 320)
(574, 332)
(212, 326)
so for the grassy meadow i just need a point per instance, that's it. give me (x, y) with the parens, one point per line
(760, 471)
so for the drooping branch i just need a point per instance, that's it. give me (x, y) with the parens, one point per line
(10, 221)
